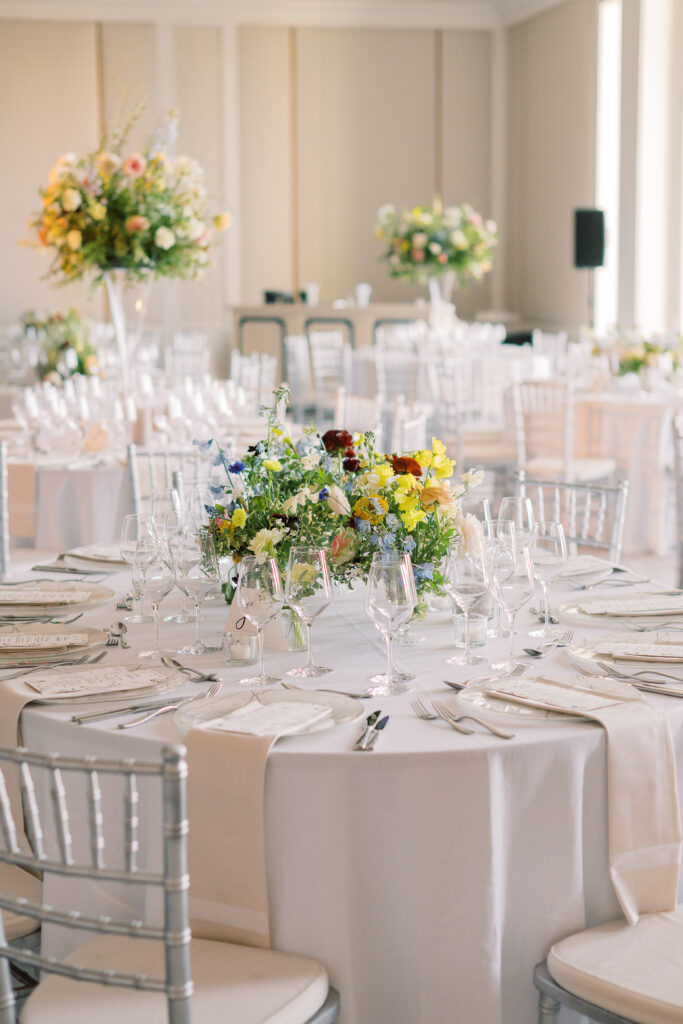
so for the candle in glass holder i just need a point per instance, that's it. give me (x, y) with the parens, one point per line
(239, 648)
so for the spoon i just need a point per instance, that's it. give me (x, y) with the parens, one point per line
(199, 677)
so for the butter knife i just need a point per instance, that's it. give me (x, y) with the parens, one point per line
(369, 724)
(375, 732)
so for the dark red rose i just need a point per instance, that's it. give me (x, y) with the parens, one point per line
(335, 440)
(406, 464)
(351, 464)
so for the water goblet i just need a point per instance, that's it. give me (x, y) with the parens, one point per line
(308, 591)
(519, 512)
(548, 552)
(465, 583)
(169, 525)
(138, 547)
(259, 595)
(389, 602)
(511, 577)
(158, 582)
(196, 568)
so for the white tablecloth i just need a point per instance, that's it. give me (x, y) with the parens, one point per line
(432, 875)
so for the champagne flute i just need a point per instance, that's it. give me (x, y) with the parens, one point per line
(138, 548)
(158, 582)
(511, 577)
(196, 569)
(548, 551)
(519, 512)
(465, 583)
(259, 595)
(308, 591)
(389, 602)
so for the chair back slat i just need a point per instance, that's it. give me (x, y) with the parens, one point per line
(132, 823)
(34, 829)
(61, 811)
(95, 820)
(152, 473)
(9, 831)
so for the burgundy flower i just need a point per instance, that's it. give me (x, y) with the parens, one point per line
(351, 464)
(335, 440)
(405, 464)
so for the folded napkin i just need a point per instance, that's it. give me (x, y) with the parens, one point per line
(644, 604)
(582, 565)
(226, 840)
(22, 499)
(644, 823)
(33, 595)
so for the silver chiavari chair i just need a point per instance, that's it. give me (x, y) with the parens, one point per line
(592, 516)
(152, 474)
(128, 970)
(4, 512)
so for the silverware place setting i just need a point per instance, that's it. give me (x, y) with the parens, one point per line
(455, 721)
(544, 649)
(194, 674)
(83, 659)
(517, 671)
(172, 705)
(374, 726)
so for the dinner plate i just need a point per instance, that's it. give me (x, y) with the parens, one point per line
(475, 699)
(9, 656)
(345, 710)
(171, 680)
(573, 611)
(97, 594)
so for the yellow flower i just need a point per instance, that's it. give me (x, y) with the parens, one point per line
(222, 221)
(438, 447)
(273, 465)
(406, 482)
(74, 239)
(239, 518)
(411, 517)
(444, 467)
(384, 472)
(373, 508)
(424, 458)
(98, 211)
(303, 573)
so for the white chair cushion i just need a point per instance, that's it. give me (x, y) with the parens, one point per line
(232, 983)
(16, 883)
(632, 970)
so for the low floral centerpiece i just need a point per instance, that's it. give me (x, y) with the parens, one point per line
(119, 216)
(426, 243)
(336, 491)
(64, 339)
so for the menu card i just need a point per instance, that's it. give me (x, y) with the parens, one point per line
(30, 641)
(543, 693)
(644, 604)
(33, 595)
(93, 680)
(277, 719)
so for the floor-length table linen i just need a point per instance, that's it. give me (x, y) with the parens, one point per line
(430, 876)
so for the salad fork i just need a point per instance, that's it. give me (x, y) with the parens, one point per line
(422, 712)
(454, 720)
(610, 670)
(214, 689)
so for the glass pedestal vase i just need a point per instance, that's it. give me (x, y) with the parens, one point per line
(442, 310)
(127, 308)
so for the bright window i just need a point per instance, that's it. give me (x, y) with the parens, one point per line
(608, 158)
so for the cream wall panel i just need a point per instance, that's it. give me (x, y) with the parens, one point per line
(366, 137)
(129, 76)
(47, 107)
(199, 102)
(551, 156)
(265, 161)
(466, 146)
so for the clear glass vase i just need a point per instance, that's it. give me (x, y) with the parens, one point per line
(440, 292)
(127, 307)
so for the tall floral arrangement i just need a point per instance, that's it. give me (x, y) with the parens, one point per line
(65, 342)
(119, 209)
(427, 241)
(337, 491)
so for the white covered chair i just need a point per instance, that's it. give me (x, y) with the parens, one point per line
(544, 434)
(617, 973)
(188, 356)
(405, 337)
(153, 473)
(136, 971)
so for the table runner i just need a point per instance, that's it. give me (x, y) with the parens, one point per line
(644, 822)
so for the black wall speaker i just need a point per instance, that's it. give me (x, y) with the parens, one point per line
(589, 238)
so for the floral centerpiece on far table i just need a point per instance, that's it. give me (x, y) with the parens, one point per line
(338, 492)
(65, 342)
(427, 242)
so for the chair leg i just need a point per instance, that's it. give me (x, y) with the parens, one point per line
(548, 1008)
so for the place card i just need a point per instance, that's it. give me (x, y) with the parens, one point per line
(94, 680)
(645, 651)
(644, 604)
(555, 697)
(279, 718)
(28, 641)
(32, 595)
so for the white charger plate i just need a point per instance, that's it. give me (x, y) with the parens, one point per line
(172, 681)
(474, 699)
(98, 595)
(345, 710)
(95, 638)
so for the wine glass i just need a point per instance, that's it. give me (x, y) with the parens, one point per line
(400, 674)
(480, 508)
(465, 583)
(158, 582)
(196, 569)
(511, 577)
(519, 512)
(548, 551)
(138, 547)
(168, 526)
(259, 595)
(389, 602)
(308, 591)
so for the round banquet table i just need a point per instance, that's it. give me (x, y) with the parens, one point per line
(430, 877)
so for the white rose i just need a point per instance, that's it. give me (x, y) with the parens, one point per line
(164, 238)
(71, 200)
(435, 248)
(385, 212)
(310, 461)
(264, 542)
(425, 218)
(458, 239)
(419, 240)
(195, 229)
(337, 501)
(472, 534)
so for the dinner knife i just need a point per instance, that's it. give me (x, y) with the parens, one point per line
(375, 730)
(129, 709)
(77, 572)
(369, 723)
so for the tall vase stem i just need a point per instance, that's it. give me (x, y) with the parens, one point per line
(118, 319)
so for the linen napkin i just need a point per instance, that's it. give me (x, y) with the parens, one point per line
(226, 841)
(644, 822)
(21, 478)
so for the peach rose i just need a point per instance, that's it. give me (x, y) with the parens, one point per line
(134, 165)
(136, 223)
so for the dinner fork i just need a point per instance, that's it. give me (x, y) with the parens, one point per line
(610, 670)
(84, 659)
(172, 706)
(422, 712)
(453, 719)
(518, 670)
(343, 693)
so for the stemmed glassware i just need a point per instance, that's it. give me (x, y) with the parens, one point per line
(511, 578)
(548, 551)
(308, 591)
(259, 594)
(138, 549)
(465, 583)
(158, 582)
(169, 525)
(389, 602)
(196, 570)
(519, 512)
